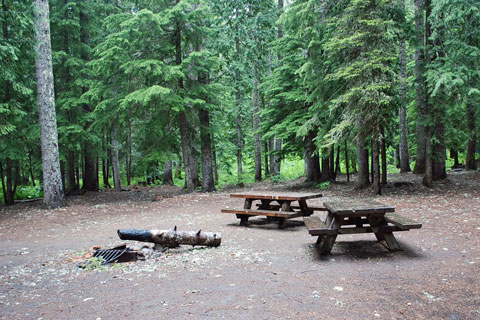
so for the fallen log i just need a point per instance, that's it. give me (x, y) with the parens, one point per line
(172, 238)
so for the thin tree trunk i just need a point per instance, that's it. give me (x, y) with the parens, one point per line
(214, 155)
(167, 173)
(10, 194)
(472, 139)
(421, 101)
(363, 172)
(128, 156)
(428, 178)
(208, 183)
(325, 176)
(52, 180)
(347, 165)
(331, 174)
(238, 106)
(404, 155)
(256, 127)
(377, 186)
(337, 163)
(105, 163)
(384, 156)
(277, 158)
(30, 167)
(117, 183)
(4, 189)
(266, 160)
(71, 181)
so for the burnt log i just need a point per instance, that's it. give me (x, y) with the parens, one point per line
(172, 238)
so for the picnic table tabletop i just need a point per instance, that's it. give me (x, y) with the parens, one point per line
(273, 195)
(357, 207)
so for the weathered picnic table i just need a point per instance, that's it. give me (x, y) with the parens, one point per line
(274, 205)
(350, 217)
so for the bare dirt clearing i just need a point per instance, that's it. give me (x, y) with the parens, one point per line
(259, 272)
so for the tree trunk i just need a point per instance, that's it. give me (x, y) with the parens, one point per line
(266, 160)
(167, 173)
(4, 187)
(384, 156)
(404, 155)
(214, 155)
(117, 183)
(312, 161)
(208, 183)
(420, 161)
(105, 163)
(256, 128)
(325, 176)
(428, 178)
(377, 186)
(52, 180)
(331, 174)
(30, 167)
(89, 173)
(337, 164)
(71, 181)
(10, 193)
(276, 157)
(128, 156)
(454, 156)
(363, 172)
(347, 164)
(172, 238)
(238, 106)
(472, 139)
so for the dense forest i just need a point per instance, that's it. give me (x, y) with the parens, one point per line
(103, 94)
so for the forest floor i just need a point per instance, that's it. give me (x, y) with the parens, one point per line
(258, 272)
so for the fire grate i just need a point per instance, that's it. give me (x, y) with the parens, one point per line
(117, 254)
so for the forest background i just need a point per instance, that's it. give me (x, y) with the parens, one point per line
(204, 93)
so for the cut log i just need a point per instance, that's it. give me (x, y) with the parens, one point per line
(172, 238)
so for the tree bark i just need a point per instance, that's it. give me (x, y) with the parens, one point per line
(363, 171)
(404, 155)
(71, 181)
(256, 128)
(172, 238)
(167, 173)
(312, 161)
(428, 178)
(472, 139)
(331, 174)
(117, 183)
(238, 106)
(454, 156)
(208, 183)
(384, 156)
(377, 186)
(421, 101)
(325, 176)
(266, 160)
(52, 180)
(347, 164)
(128, 155)
(105, 163)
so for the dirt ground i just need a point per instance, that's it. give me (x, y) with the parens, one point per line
(258, 272)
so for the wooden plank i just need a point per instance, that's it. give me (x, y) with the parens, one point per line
(316, 227)
(352, 208)
(402, 222)
(271, 195)
(268, 213)
(276, 207)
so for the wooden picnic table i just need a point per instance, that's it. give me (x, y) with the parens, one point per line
(350, 217)
(274, 205)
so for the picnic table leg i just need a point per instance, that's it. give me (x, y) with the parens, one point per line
(304, 208)
(325, 243)
(285, 206)
(244, 217)
(387, 239)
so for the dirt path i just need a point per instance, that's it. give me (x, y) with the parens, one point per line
(259, 272)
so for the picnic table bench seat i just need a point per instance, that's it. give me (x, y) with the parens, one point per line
(402, 222)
